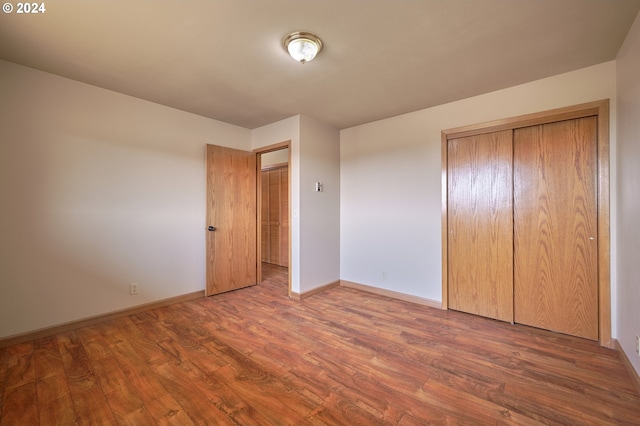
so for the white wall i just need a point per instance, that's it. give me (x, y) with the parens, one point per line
(282, 131)
(390, 174)
(274, 158)
(98, 190)
(319, 211)
(628, 301)
(315, 230)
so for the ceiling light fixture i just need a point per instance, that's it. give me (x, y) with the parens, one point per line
(302, 46)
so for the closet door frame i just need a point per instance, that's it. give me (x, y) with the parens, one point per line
(259, 151)
(600, 109)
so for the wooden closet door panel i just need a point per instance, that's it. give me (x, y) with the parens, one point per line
(264, 231)
(274, 216)
(284, 216)
(555, 227)
(480, 238)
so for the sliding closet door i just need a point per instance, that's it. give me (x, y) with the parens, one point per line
(275, 216)
(555, 227)
(480, 222)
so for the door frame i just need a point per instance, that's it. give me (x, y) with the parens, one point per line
(259, 151)
(600, 109)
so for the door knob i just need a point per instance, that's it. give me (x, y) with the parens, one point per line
(211, 228)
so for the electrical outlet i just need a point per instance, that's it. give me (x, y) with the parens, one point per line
(133, 288)
(638, 345)
(384, 276)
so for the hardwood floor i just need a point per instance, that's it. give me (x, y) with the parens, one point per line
(342, 357)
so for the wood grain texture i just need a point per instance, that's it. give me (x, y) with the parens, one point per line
(85, 322)
(480, 224)
(600, 109)
(604, 240)
(555, 213)
(314, 291)
(231, 208)
(283, 230)
(628, 365)
(275, 215)
(341, 357)
(265, 200)
(393, 294)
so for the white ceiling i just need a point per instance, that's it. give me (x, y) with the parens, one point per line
(224, 58)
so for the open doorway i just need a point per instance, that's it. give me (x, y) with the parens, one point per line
(274, 218)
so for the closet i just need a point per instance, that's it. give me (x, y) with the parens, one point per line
(275, 215)
(523, 207)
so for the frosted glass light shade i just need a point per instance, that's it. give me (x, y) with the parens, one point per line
(302, 46)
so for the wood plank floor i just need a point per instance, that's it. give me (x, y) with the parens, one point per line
(343, 357)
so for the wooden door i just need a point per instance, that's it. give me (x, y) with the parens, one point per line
(555, 214)
(231, 209)
(265, 240)
(283, 229)
(275, 216)
(480, 239)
